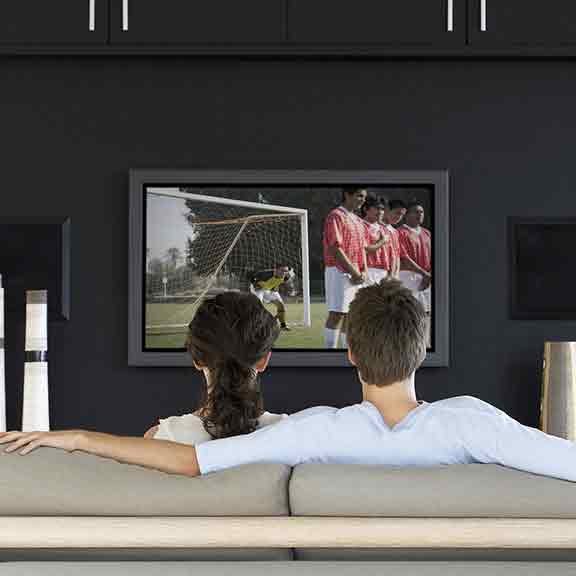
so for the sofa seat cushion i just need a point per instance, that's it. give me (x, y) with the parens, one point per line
(52, 482)
(463, 490)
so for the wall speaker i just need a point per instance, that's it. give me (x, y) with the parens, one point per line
(542, 268)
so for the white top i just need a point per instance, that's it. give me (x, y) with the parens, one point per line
(458, 430)
(188, 429)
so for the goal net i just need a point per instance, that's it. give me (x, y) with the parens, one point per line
(229, 242)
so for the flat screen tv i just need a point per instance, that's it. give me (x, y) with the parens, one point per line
(196, 233)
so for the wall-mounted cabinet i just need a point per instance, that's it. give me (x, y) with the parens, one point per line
(377, 22)
(53, 22)
(189, 22)
(422, 28)
(522, 23)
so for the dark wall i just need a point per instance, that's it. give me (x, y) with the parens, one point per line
(72, 127)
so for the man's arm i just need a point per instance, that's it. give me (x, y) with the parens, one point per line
(377, 245)
(499, 439)
(406, 263)
(163, 455)
(341, 257)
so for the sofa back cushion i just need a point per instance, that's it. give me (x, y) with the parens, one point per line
(467, 490)
(51, 482)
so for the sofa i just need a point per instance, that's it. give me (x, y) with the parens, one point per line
(59, 511)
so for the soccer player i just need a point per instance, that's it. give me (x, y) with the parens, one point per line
(345, 267)
(416, 258)
(393, 214)
(390, 427)
(378, 239)
(265, 283)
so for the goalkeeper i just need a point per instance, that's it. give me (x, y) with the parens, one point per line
(265, 284)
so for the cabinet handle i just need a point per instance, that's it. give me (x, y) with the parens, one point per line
(450, 17)
(91, 15)
(124, 15)
(483, 27)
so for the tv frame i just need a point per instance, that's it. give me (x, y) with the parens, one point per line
(140, 179)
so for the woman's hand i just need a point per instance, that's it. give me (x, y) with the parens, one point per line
(151, 431)
(66, 440)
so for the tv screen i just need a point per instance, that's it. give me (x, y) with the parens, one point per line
(302, 242)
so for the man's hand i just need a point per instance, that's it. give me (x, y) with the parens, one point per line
(65, 440)
(357, 277)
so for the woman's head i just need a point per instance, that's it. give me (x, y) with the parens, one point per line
(230, 337)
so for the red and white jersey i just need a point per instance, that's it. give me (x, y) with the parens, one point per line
(379, 258)
(416, 243)
(345, 230)
(394, 248)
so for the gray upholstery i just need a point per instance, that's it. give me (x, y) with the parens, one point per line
(468, 490)
(51, 482)
(48, 556)
(434, 555)
(291, 568)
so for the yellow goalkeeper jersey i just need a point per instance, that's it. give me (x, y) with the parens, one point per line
(266, 280)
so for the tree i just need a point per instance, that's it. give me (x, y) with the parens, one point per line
(173, 258)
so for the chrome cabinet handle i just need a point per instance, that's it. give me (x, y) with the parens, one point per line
(483, 26)
(450, 17)
(91, 15)
(125, 15)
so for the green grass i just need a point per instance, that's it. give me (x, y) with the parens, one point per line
(181, 314)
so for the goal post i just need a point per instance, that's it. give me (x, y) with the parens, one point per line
(228, 241)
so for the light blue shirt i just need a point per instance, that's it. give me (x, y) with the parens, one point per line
(458, 430)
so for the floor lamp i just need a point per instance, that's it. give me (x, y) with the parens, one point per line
(558, 399)
(35, 405)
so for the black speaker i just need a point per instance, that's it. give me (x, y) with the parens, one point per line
(542, 268)
(35, 255)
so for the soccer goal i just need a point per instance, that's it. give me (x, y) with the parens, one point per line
(228, 242)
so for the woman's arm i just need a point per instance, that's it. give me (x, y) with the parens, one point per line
(163, 455)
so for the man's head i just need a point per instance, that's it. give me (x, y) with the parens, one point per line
(395, 212)
(284, 272)
(386, 330)
(373, 209)
(414, 214)
(353, 197)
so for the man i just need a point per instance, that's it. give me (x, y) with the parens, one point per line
(393, 214)
(386, 331)
(416, 258)
(378, 239)
(265, 283)
(345, 267)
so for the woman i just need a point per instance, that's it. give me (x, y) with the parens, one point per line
(230, 340)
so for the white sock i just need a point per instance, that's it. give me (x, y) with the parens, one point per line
(330, 337)
(343, 340)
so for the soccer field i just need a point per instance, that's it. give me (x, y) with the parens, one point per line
(169, 322)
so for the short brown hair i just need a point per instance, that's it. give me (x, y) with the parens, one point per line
(386, 331)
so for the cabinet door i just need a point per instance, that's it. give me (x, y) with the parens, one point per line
(173, 22)
(523, 22)
(53, 22)
(393, 22)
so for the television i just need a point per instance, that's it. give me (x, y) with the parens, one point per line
(196, 233)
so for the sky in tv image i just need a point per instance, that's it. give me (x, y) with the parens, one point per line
(275, 242)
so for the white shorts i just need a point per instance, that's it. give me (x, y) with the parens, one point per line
(376, 274)
(339, 290)
(412, 281)
(267, 296)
